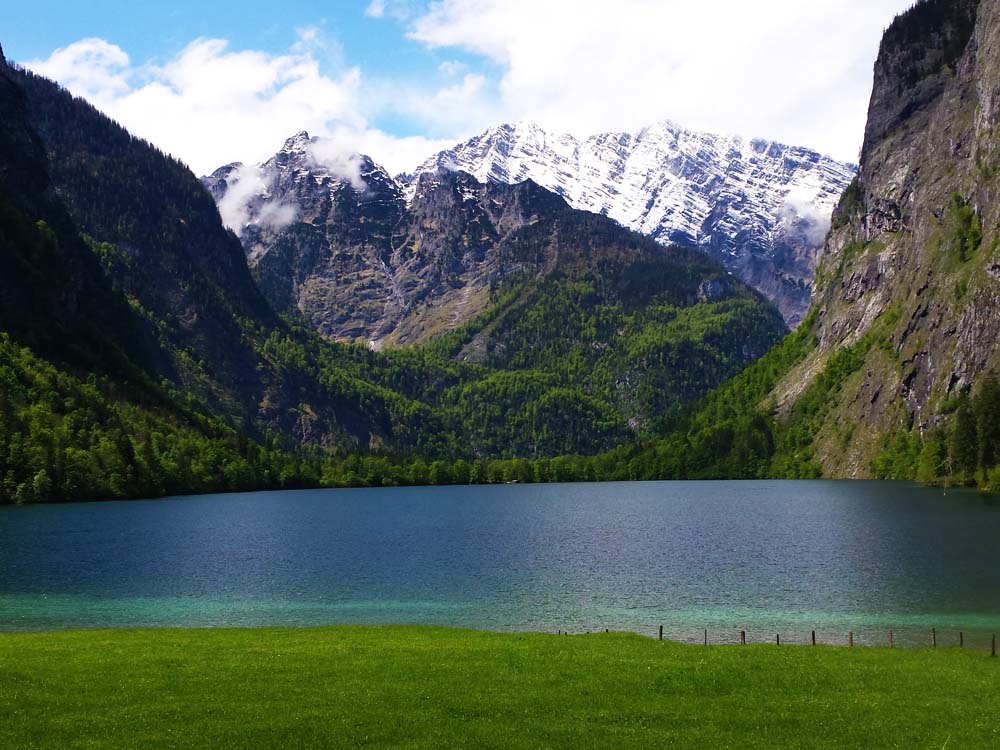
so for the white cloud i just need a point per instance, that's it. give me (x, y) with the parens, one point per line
(399, 10)
(800, 210)
(243, 203)
(211, 105)
(452, 68)
(464, 106)
(244, 184)
(449, 107)
(780, 69)
(397, 154)
(339, 157)
(90, 67)
(276, 215)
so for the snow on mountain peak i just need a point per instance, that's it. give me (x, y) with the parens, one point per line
(760, 207)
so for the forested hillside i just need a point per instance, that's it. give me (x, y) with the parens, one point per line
(139, 357)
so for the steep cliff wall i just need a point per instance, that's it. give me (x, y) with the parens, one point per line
(910, 273)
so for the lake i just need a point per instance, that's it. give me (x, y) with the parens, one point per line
(765, 557)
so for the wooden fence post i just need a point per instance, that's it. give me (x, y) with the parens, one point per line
(777, 639)
(850, 639)
(706, 636)
(743, 637)
(814, 638)
(961, 639)
(890, 639)
(661, 632)
(933, 637)
(993, 650)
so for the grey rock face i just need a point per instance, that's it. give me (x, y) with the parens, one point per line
(915, 248)
(333, 238)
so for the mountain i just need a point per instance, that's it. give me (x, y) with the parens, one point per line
(158, 237)
(911, 265)
(82, 412)
(509, 277)
(363, 257)
(760, 208)
(894, 373)
(131, 326)
(544, 331)
(139, 356)
(53, 294)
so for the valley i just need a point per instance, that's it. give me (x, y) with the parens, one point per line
(328, 324)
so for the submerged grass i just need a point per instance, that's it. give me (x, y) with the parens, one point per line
(415, 687)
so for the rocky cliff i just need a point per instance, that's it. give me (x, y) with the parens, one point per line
(910, 274)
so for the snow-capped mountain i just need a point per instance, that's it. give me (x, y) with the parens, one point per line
(761, 208)
(330, 237)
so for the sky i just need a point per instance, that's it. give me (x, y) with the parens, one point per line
(214, 82)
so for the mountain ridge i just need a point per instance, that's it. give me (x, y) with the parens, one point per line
(759, 207)
(461, 266)
(443, 226)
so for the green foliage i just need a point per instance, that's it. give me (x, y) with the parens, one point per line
(986, 412)
(965, 452)
(849, 205)
(62, 438)
(928, 38)
(635, 340)
(933, 460)
(966, 234)
(899, 458)
(963, 447)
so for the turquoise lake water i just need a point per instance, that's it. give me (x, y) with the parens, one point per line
(765, 557)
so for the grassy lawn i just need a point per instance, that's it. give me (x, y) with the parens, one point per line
(410, 687)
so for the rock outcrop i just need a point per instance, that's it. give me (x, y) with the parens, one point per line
(911, 263)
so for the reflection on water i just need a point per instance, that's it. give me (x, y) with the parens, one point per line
(764, 557)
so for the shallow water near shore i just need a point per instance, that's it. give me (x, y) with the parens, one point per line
(765, 557)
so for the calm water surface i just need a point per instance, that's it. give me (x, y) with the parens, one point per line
(760, 556)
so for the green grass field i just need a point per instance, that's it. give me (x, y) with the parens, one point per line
(410, 687)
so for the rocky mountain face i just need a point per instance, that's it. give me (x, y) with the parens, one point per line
(760, 208)
(339, 241)
(356, 260)
(909, 279)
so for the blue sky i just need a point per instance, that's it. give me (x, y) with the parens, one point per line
(161, 30)
(400, 79)
(158, 32)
